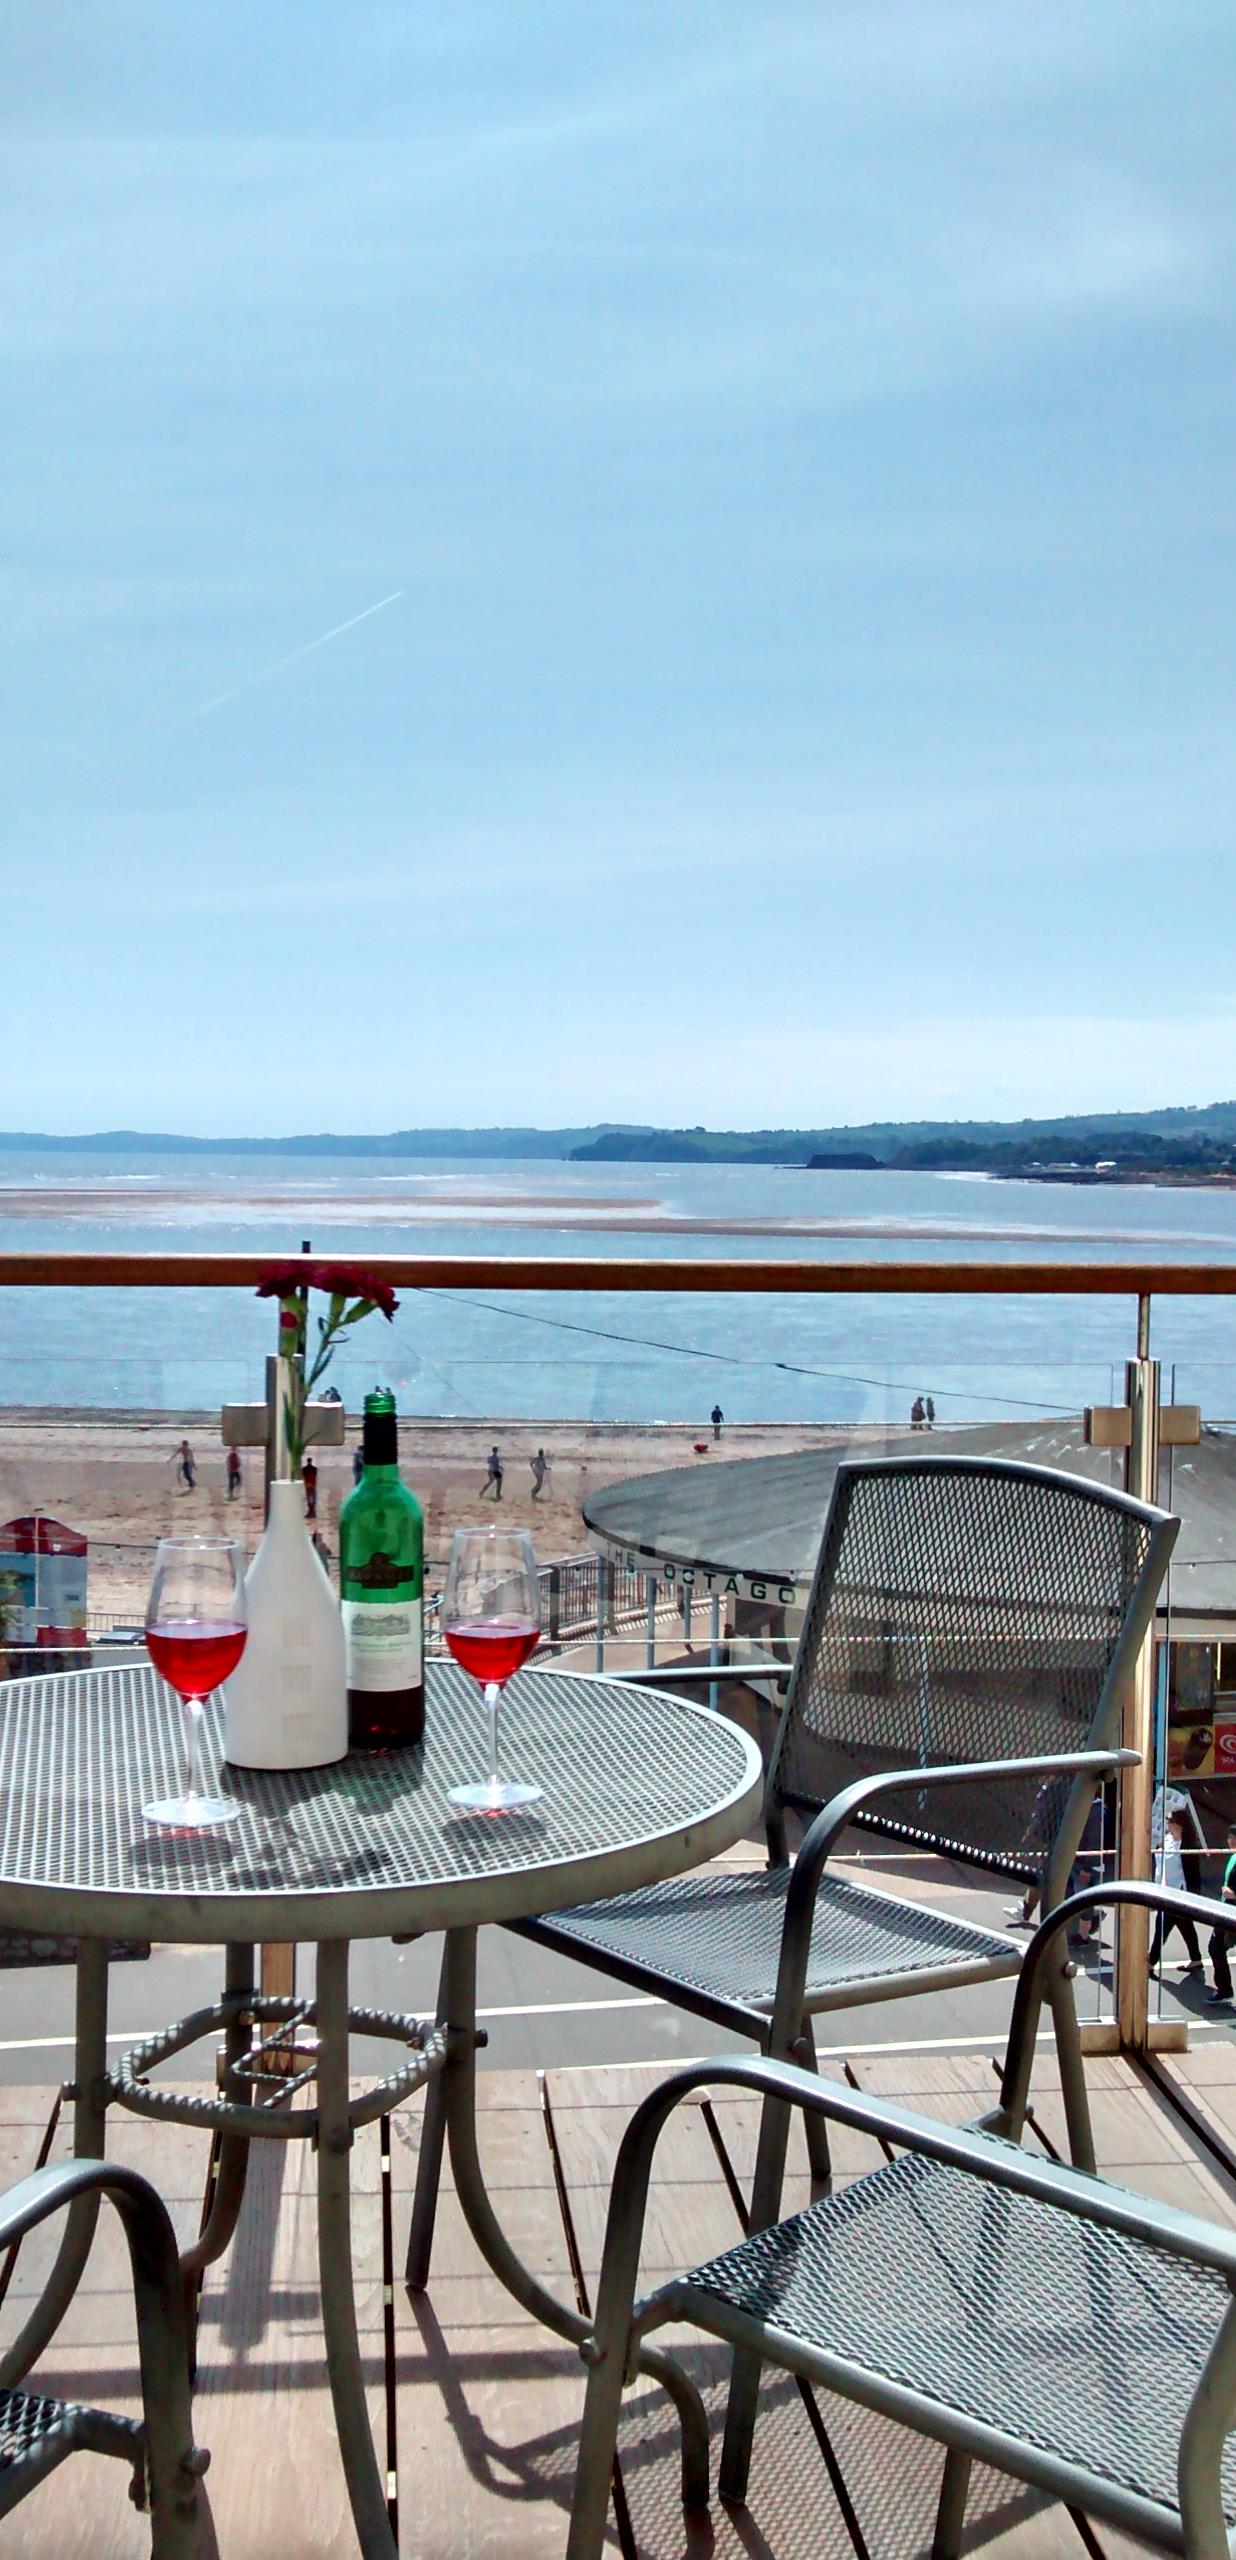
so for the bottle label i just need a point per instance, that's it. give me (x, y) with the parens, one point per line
(380, 1572)
(383, 1639)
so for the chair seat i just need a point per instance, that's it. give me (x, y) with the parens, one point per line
(718, 1934)
(1075, 2340)
(26, 2420)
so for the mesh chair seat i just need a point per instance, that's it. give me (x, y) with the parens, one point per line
(1075, 2340)
(26, 2420)
(719, 1935)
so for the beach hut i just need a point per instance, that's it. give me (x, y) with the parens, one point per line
(43, 1568)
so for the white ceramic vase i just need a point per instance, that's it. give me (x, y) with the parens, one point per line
(286, 1704)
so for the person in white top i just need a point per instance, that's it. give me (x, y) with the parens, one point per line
(1169, 1869)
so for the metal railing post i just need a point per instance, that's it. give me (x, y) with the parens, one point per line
(714, 1646)
(650, 1645)
(276, 1961)
(602, 1596)
(555, 1604)
(1137, 1785)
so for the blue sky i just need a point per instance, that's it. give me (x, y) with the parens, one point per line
(799, 441)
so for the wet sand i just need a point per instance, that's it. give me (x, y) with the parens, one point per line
(425, 1205)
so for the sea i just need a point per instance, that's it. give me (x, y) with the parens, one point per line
(608, 1356)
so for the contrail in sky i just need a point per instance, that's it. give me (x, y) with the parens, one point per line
(217, 700)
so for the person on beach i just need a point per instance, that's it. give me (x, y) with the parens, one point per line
(716, 1417)
(309, 1479)
(540, 1469)
(917, 1414)
(493, 1474)
(929, 1412)
(233, 1474)
(186, 1466)
(1221, 1939)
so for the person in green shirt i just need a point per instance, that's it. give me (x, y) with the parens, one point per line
(1221, 1939)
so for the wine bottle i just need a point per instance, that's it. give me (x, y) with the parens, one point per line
(381, 1578)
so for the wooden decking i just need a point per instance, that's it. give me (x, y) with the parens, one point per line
(478, 2407)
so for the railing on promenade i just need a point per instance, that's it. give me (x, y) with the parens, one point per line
(1139, 1282)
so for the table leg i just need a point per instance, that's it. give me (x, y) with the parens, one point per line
(347, 2384)
(458, 2081)
(428, 2164)
(459, 2086)
(233, 2161)
(90, 2062)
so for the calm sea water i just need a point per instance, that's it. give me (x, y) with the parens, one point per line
(607, 1356)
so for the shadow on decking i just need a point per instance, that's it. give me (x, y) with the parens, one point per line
(479, 2407)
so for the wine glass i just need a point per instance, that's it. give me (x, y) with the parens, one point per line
(196, 1623)
(491, 1619)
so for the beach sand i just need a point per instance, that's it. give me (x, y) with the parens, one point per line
(113, 1478)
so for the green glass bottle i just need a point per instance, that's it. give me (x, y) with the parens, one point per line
(382, 1580)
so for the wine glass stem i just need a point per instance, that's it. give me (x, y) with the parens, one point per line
(493, 1696)
(194, 1749)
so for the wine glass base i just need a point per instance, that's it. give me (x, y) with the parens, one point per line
(191, 1813)
(494, 1795)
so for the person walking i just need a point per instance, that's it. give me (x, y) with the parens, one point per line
(233, 1474)
(186, 1466)
(493, 1474)
(540, 1469)
(917, 1414)
(309, 1479)
(1221, 1939)
(716, 1417)
(929, 1412)
(1169, 1869)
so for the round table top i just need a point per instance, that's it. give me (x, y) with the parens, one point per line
(638, 1785)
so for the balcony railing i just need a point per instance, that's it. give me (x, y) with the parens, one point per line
(590, 1598)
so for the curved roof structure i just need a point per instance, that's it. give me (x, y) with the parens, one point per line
(751, 1527)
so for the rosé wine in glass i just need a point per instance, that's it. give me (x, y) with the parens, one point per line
(196, 1623)
(194, 1659)
(494, 1647)
(491, 1619)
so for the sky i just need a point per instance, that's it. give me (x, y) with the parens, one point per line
(790, 447)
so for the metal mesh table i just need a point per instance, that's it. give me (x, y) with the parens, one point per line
(636, 1786)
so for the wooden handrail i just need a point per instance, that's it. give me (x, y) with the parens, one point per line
(596, 1272)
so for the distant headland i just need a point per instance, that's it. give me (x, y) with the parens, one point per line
(1177, 1144)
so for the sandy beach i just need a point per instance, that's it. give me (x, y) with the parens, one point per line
(113, 1477)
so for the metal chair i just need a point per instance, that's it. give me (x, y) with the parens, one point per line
(957, 1687)
(1024, 2314)
(36, 2433)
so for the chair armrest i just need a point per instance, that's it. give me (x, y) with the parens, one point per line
(49, 2189)
(776, 1673)
(618, 2325)
(834, 1817)
(1040, 1951)
(986, 2155)
(153, 2255)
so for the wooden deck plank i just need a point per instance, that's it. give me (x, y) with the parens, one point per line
(1205, 2066)
(488, 2402)
(263, 2405)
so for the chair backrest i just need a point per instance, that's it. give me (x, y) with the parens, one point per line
(967, 1609)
